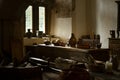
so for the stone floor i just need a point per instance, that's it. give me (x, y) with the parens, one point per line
(50, 76)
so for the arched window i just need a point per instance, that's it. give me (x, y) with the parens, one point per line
(42, 19)
(28, 19)
(33, 16)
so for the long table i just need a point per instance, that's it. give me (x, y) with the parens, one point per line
(53, 52)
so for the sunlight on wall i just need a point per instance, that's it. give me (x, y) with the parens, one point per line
(61, 23)
(63, 28)
(100, 16)
(106, 19)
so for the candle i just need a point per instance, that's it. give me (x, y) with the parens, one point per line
(108, 66)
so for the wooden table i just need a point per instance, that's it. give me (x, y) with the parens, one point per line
(66, 52)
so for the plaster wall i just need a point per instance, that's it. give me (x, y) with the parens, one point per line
(101, 17)
(106, 19)
(89, 17)
(79, 18)
(64, 26)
